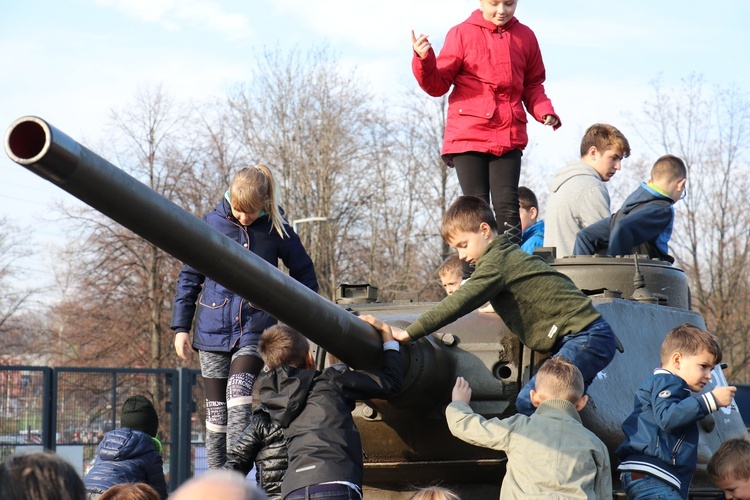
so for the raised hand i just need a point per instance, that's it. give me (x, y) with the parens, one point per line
(724, 394)
(421, 44)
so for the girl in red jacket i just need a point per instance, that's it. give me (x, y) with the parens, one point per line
(494, 64)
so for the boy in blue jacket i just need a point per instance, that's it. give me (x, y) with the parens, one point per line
(130, 453)
(532, 230)
(660, 451)
(644, 223)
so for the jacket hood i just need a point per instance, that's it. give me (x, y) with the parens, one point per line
(477, 19)
(572, 170)
(125, 443)
(536, 229)
(284, 392)
(643, 194)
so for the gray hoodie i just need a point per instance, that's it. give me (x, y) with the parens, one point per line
(579, 198)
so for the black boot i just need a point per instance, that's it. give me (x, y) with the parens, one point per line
(514, 232)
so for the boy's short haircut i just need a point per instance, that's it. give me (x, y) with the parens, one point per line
(668, 168)
(690, 340)
(465, 215)
(281, 345)
(527, 198)
(731, 459)
(604, 137)
(450, 266)
(559, 378)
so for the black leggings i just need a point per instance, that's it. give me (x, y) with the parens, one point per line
(495, 180)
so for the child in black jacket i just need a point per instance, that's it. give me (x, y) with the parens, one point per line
(314, 409)
(262, 444)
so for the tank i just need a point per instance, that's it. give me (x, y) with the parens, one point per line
(405, 439)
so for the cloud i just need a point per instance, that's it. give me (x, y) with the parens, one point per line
(376, 26)
(175, 15)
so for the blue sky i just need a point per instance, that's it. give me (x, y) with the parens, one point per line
(72, 62)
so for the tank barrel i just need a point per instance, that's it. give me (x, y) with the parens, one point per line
(44, 150)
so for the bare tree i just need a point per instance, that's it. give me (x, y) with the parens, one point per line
(710, 129)
(420, 138)
(118, 295)
(323, 136)
(15, 299)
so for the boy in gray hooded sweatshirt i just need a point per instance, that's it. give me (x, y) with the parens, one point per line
(579, 196)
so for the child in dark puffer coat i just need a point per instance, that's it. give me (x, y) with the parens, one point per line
(262, 444)
(131, 453)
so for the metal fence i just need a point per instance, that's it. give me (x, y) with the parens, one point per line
(68, 410)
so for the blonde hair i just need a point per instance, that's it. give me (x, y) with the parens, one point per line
(450, 266)
(466, 214)
(560, 379)
(603, 137)
(689, 340)
(434, 493)
(731, 459)
(254, 189)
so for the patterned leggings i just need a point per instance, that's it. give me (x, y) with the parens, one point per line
(228, 378)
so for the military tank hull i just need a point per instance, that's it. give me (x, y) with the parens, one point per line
(405, 439)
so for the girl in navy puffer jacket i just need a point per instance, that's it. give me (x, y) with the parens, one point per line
(227, 327)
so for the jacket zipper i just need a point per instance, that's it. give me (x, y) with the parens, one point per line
(676, 447)
(239, 311)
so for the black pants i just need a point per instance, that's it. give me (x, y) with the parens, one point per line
(495, 180)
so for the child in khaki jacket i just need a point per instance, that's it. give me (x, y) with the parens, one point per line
(550, 452)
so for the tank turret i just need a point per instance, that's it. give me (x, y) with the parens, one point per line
(405, 440)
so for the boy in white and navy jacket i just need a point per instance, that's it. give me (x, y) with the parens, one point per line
(660, 451)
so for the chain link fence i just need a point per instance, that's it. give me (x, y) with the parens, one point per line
(68, 410)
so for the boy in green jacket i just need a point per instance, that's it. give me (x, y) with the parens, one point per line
(541, 306)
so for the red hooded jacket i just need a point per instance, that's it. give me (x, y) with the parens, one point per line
(493, 69)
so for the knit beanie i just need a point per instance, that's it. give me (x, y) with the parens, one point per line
(139, 414)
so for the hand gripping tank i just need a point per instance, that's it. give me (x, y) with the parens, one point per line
(405, 440)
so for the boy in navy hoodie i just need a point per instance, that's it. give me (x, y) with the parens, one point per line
(660, 451)
(644, 223)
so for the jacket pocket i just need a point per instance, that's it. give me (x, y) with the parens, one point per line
(211, 303)
(476, 109)
(214, 315)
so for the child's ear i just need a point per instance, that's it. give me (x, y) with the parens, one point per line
(676, 359)
(582, 402)
(485, 229)
(535, 399)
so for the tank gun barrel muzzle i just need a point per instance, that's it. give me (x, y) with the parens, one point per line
(44, 150)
